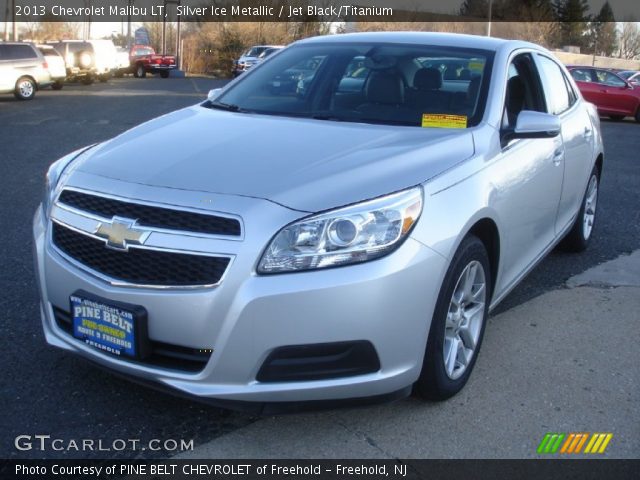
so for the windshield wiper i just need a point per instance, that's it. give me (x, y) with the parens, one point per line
(328, 117)
(229, 107)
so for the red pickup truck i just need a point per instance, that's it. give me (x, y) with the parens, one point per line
(145, 60)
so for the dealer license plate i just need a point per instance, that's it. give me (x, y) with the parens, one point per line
(113, 327)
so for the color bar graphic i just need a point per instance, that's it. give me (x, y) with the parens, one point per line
(573, 443)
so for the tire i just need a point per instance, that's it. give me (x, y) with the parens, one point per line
(88, 80)
(164, 74)
(25, 89)
(577, 240)
(638, 115)
(103, 78)
(616, 118)
(139, 71)
(57, 86)
(443, 376)
(84, 59)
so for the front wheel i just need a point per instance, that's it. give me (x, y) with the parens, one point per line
(579, 236)
(458, 323)
(57, 85)
(638, 115)
(25, 89)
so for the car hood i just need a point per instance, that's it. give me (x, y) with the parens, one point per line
(304, 164)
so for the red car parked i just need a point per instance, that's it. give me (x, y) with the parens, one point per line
(612, 94)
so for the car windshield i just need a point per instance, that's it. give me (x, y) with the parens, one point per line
(267, 52)
(254, 51)
(142, 51)
(392, 84)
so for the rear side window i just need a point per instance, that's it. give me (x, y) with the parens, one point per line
(75, 47)
(142, 51)
(51, 52)
(582, 74)
(17, 52)
(555, 86)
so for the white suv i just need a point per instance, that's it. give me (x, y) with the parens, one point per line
(23, 70)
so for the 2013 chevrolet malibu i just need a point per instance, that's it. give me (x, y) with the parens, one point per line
(325, 241)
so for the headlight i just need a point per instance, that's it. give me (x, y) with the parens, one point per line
(347, 235)
(53, 176)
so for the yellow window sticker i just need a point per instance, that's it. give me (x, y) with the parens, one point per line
(441, 120)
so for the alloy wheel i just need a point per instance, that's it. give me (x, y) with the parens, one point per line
(590, 202)
(464, 319)
(26, 88)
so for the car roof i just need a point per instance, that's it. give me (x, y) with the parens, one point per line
(17, 43)
(430, 38)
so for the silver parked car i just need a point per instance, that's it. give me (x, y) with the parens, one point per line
(324, 243)
(23, 70)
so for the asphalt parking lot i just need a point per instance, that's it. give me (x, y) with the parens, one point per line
(49, 392)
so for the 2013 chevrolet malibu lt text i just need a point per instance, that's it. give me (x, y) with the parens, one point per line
(335, 224)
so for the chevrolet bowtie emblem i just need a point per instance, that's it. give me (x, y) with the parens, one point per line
(121, 232)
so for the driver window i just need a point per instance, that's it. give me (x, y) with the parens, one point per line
(523, 90)
(609, 79)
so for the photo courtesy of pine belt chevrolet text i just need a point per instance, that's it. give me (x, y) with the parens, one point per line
(333, 226)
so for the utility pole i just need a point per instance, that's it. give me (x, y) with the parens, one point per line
(164, 29)
(6, 20)
(129, 5)
(13, 20)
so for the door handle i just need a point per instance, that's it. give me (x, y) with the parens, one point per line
(557, 156)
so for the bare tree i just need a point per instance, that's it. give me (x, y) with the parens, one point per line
(629, 40)
(43, 31)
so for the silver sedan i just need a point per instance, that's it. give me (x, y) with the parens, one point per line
(336, 224)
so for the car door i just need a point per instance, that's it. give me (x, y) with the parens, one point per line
(618, 97)
(577, 138)
(530, 176)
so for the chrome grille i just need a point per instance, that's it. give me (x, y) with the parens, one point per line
(151, 216)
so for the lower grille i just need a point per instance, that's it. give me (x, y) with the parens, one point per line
(164, 355)
(139, 266)
(319, 361)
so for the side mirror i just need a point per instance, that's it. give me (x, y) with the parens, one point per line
(213, 94)
(530, 124)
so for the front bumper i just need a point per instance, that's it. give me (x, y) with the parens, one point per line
(388, 302)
